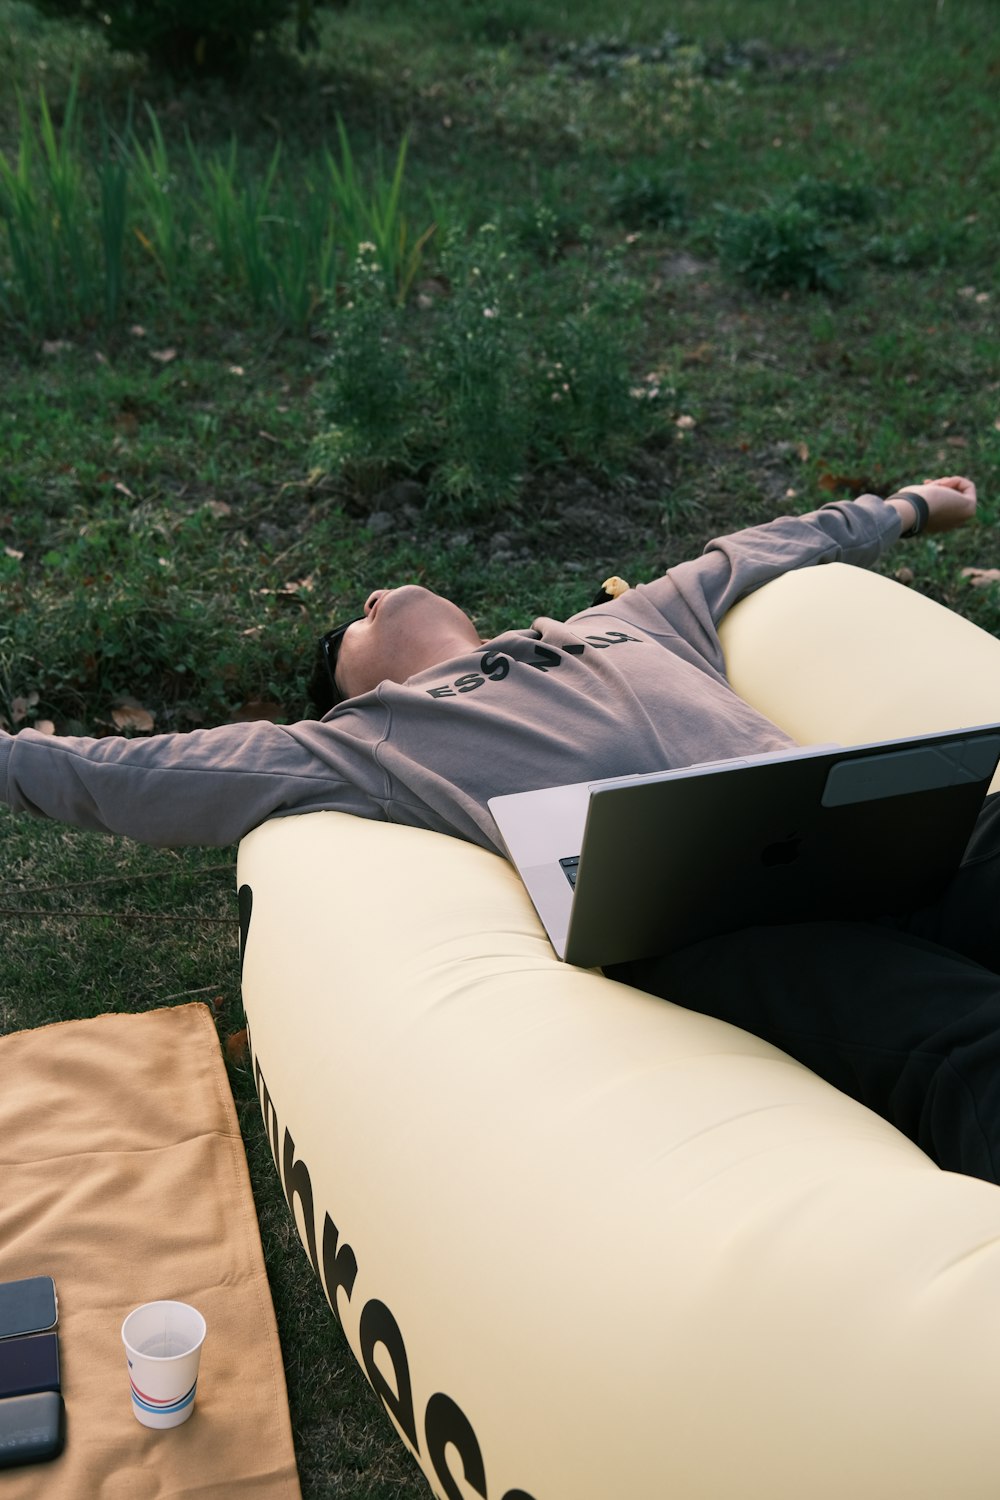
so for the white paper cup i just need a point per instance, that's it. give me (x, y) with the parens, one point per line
(163, 1347)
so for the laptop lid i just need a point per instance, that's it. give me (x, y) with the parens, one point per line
(669, 858)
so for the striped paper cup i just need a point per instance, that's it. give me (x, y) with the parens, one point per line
(163, 1347)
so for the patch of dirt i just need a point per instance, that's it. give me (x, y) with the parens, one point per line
(581, 522)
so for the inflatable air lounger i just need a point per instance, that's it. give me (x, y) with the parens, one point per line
(586, 1244)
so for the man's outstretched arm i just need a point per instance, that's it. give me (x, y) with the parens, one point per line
(694, 596)
(207, 787)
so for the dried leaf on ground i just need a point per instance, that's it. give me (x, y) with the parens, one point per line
(237, 1047)
(697, 354)
(129, 714)
(293, 586)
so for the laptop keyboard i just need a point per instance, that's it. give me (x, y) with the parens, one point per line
(570, 865)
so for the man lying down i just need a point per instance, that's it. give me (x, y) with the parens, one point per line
(424, 721)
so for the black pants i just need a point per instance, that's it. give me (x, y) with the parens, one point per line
(903, 1014)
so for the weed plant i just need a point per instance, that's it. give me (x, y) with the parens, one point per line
(369, 397)
(808, 240)
(477, 392)
(647, 196)
(781, 247)
(546, 230)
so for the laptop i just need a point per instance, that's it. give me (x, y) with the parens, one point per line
(632, 866)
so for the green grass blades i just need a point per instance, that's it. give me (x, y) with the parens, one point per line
(65, 223)
(164, 214)
(375, 216)
(43, 205)
(82, 228)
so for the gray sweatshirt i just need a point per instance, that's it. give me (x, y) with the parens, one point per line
(637, 684)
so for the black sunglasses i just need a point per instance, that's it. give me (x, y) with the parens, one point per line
(323, 687)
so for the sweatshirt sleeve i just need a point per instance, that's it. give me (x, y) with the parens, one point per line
(211, 786)
(694, 596)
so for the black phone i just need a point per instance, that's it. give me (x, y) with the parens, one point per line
(29, 1365)
(32, 1428)
(28, 1306)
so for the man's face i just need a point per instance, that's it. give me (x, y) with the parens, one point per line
(404, 631)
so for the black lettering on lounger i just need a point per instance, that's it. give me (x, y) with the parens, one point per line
(449, 1435)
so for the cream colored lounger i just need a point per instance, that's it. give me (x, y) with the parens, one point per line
(586, 1244)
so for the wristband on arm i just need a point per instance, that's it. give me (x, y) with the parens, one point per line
(921, 507)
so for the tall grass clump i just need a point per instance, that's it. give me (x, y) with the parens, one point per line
(81, 236)
(281, 259)
(164, 214)
(374, 215)
(64, 224)
(284, 242)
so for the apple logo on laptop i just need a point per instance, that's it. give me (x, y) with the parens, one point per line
(783, 852)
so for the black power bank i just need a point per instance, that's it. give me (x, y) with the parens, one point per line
(32, 1428)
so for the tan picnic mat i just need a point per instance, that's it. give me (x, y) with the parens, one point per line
(123, 1176)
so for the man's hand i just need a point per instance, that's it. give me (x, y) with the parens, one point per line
(951, 502)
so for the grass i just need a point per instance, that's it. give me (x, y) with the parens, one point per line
(85, 237)
(176, 524)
